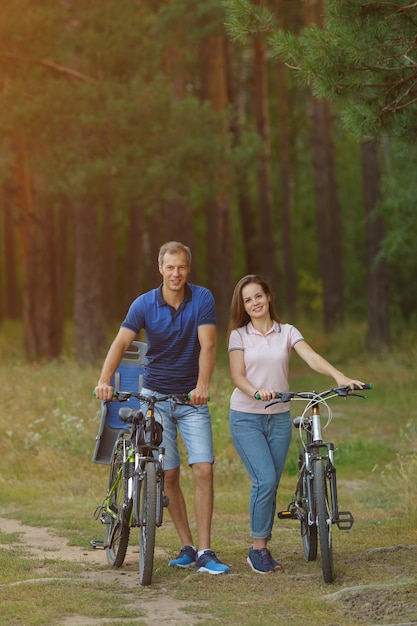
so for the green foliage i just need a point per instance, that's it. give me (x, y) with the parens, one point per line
(400, 215)
(93, 89)
(244, 19)
(365, 54)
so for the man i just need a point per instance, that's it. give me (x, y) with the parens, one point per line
(180, 327)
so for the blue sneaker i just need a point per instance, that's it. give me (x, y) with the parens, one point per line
(261, 561)
(277, 566)
(209, 563)
(185, 559)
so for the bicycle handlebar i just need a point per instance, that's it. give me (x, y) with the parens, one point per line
(123, 396)
(286, 396)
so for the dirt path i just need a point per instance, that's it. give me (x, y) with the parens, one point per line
(389, 603)
(159, 608)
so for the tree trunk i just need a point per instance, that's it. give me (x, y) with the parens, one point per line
(328, 223)
(218, 220)
(378, 293)
(136, 264)
(250, 261)
(290, 277)
(268, 263)
(88, 310)
(61, 264)
(49, 323)
(12, 307)
(110, 291)
(26, 221)
(178, 222)
(155, 242)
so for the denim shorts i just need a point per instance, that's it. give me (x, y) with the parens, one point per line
(193, 421)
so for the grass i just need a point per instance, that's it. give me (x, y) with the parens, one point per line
(49, 421)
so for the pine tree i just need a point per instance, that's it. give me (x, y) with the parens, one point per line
(366, 55)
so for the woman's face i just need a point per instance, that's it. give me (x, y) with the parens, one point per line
(255, 301)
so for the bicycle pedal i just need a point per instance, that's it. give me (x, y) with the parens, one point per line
(100, 545)
(288, 514)
(345, 520)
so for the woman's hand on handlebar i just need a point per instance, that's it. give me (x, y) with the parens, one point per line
(103, 392)
(264, 394)
(344, 381)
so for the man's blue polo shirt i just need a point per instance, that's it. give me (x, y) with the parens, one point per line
(171, 335)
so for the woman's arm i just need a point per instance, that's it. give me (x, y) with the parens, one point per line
(237, 372)
(320, 365)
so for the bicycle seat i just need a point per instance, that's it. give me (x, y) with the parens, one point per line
(299, 422)
(128, 377)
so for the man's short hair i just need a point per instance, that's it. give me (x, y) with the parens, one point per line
(173, 247)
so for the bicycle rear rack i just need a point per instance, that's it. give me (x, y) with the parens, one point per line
(344, 520)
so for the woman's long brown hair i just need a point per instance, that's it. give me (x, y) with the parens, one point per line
(238, 315)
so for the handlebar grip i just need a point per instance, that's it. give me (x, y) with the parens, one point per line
(189, 397)
(366, 386)
(278, 394)
(113, 394)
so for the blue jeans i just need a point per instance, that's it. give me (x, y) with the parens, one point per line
(194, 424)
(262, 442)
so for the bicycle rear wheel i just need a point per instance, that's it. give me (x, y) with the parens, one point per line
(118, 528)
(308, 531)
(147, 522)
(324, 519)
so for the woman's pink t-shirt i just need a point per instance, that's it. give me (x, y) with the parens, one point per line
(266, 359)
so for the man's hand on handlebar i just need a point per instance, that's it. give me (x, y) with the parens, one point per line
(199, 395)
(104, 392)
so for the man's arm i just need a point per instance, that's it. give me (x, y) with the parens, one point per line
(207, 360)
(115, 354)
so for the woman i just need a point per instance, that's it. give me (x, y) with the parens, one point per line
(259, 352)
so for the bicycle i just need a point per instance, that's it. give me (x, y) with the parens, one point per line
(135, 495)
(315, 501)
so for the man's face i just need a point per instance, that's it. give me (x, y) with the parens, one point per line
(174, 270)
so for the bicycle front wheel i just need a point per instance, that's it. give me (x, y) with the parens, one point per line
(324, 519)
(308, 531)
(147, 523)
(118, 528)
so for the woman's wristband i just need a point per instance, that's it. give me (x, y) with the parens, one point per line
(255, 394)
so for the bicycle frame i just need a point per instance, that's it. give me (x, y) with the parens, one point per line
(315, 502)
(317, 449)
(135, 497)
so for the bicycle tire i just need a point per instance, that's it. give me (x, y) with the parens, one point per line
(118, 528)
(324, 519)
(308, 531)
(147, 523)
